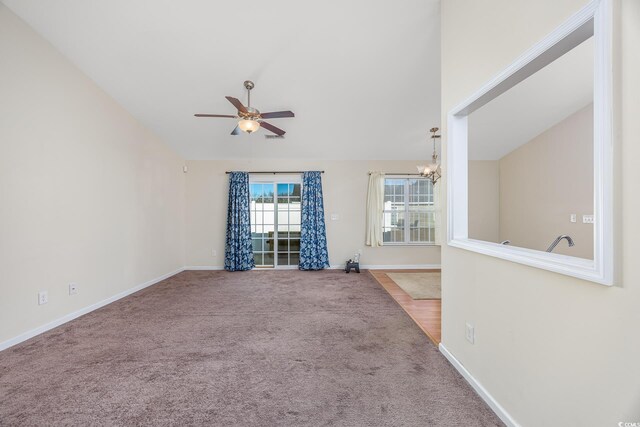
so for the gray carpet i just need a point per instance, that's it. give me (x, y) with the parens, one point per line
(260, 348)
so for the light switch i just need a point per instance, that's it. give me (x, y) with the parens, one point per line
(470, 332)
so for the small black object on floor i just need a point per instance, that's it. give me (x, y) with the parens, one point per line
(350, 265)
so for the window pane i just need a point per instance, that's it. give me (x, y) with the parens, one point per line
(283, 217)
(393, 235)
(275, 205)
(268, 244)
(267, 218)
(415, 234)
(256, 191)
(295, 218)
(294, 203)
(294, 258)
(268, 194)
(294, 232)
(393, 219)
(393, 188)
(431, 220)
(283, 259)
(257, 258)
(418, 219)
(283, 190)
(268, 259)
(419, 190)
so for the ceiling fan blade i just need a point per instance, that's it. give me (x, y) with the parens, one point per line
(215, 115)
(272, 128)
(236, 103)
(235, 131)
(277, 114)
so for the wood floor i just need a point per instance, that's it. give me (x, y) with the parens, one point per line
(426, 312)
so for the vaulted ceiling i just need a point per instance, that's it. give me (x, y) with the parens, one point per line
(533, 106)
(363, 77)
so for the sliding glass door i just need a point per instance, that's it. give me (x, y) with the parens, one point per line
(275, 222)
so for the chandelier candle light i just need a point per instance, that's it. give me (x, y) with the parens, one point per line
(432, 170)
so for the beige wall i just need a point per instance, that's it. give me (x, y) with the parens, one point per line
(345, 193)
(484, 200)
(528, 195)
(546, 180)
(88, 194)
(551, 349)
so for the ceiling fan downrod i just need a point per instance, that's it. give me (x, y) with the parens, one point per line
(248, 84)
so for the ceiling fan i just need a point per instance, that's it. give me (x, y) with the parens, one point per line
(250, 118)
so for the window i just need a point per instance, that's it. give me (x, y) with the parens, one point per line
(408, 211)
(275, 223)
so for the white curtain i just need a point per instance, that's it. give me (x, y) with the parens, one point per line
(375, 206)
(437, 212)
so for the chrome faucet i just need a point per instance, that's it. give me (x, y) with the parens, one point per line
(555, 242)
(505, 242)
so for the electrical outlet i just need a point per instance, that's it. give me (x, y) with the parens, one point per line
(335, 217)
(43, 297)
(573, 218)
(587, 219)
(470, 332)
(73, 289)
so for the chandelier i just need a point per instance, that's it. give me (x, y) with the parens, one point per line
(432, 170)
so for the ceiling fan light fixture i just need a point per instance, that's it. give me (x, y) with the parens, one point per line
(250, 119)
(248, 126)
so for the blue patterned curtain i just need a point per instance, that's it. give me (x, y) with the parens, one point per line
(238, 254)
(313, 238)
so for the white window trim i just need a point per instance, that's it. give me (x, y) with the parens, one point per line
(601, 268)
(407, 229)
(275, 179)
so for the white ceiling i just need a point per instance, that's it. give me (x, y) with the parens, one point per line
(363, 77)
(533, 106)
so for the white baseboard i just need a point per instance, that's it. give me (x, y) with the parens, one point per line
(484, 394)
(402, 267)
(333, 267)
(64, 319)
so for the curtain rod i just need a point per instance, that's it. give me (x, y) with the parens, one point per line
(401, 173)
(273, 172)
